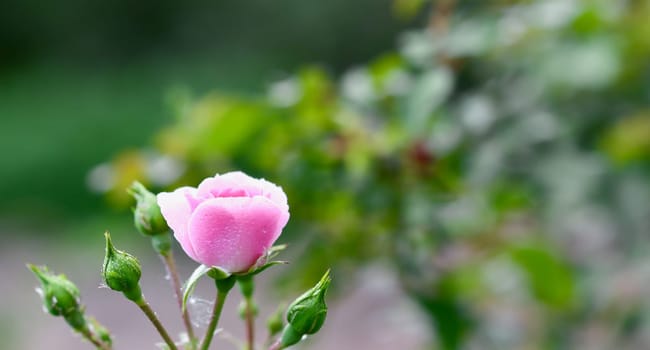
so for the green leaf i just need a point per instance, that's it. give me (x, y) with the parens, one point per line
(407, 9)
(430, 92)
(550, 278)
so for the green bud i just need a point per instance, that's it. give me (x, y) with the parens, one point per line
(307, 313)
(121, 271)
(60, 296)
(275, 322)
(242, 309)
(147, 217)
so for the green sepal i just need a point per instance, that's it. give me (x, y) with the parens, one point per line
(267, 265)
(213, 272)
(290, 337)
(264, 262)
(217, 273)
(190, 284)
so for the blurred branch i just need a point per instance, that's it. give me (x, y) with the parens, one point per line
(441, 12)
(439, 22)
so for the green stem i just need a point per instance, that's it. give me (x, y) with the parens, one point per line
(214, 320)
(90, 336)
(247, 287)
(250, 324)
(156, 323)
(168, 260)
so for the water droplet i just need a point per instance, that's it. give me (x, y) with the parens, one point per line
(201, 311)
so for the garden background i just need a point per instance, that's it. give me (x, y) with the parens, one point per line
(475, 173)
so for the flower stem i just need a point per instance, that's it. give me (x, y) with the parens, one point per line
(223, 287)
(168, 260)
(156, 323)
(88, 334)
(250, 324)
(247, 288)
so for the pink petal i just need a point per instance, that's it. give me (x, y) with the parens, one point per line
(274, 193)
(232, 184)
(233, 233)
(238, 184)
(176, 207)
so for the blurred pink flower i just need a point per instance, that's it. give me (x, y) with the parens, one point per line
(229, 221)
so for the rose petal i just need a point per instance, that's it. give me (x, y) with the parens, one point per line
(232, 184)
(176, 207)
(274, 193)
(232, 233)
(220, 186)
(238, 184)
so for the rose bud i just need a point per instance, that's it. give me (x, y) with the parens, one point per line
(60, 297)
(242, 309)
(306, 315)
(146, 214)
(230, 221)
(275, 323)
(121, 271)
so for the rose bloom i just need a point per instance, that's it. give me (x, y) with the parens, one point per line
(229, 221)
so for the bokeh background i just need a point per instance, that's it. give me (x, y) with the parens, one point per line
(475, 173)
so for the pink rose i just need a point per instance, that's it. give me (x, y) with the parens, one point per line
(229, 221)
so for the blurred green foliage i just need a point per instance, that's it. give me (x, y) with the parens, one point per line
(80, 79)
(498, 160)
(102, 33)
